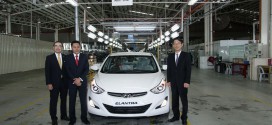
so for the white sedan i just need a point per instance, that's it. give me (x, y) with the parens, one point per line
(128, 84)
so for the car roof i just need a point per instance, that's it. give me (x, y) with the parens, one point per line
(131, 54)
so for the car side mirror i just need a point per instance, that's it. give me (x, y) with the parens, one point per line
(95, 67)
(164, 67)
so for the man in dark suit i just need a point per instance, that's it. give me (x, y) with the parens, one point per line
(77, 69)
(178, 76)
(56, 81)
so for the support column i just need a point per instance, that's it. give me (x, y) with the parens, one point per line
(270, 32)
(208, 30)
(57, 33)
(186, 37)
(38, 31)
(8, 24)
(76, 24)
(265, 18)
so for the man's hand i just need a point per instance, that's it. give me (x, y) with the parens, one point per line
(168, 84)
(50, 87)
(186, 85)
(77, 81)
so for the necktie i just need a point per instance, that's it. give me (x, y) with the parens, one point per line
(76, 59)
(59, 61)
(176, 59)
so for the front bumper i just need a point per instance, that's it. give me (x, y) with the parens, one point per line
(143, 106)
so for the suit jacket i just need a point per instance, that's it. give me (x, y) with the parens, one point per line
(75, 71)
(53, 73)
(180, 73)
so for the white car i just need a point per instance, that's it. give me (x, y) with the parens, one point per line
(128, 84)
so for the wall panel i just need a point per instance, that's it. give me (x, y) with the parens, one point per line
(22, 54)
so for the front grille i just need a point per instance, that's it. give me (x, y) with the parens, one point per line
(127, 95)
(127, 110)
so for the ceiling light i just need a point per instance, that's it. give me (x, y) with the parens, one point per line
(174, 35)
(100, 39)
(162, 36)
(72, 2)
(100, 34)
(167, 39)
(192, 2)
(141, 12)
(111, 39)
(91, 35)
(162, 41)
(106, 42)
(167, 33)
(135, 28)
(110, 44)
(175, 28)
(88, 7)
(91, 28)
(106, 37)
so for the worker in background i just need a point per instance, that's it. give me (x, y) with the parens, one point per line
(56, 81)
(178, 77)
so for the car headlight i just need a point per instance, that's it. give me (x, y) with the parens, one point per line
(159, 88)
(95, 88)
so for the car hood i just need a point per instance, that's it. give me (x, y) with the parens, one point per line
(128, 83)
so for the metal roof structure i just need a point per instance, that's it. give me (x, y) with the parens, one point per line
(57, 14)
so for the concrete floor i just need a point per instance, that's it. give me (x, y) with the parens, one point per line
(214, 99)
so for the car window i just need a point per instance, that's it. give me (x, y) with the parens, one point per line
(130, 64)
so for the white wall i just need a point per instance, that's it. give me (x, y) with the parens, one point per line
(22, 54)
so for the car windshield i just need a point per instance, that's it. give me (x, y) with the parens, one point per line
(130, 64)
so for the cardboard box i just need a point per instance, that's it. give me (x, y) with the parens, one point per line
(238, 60)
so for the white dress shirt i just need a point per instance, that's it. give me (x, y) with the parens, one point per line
(77, 56)
(176, 55)
(58, 56)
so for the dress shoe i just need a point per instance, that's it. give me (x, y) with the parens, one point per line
(72, 122)
(54, 122)
(86, 122)
(184, 122)
(66, 118)
(173, 119)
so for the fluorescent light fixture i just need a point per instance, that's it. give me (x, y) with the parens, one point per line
(106, 37)
(175, 28)
(91, 28)
(91, 35)
(72, 2)
(192, 2)
(174, 35)
(167, 33)
(162, 41)
(100, 34)
(167, 39)
(106, 42)
(150, 14)
(111, 39)
(88, 7)
(134, 28)
(162, 36)
(100, 39)
(110, 44)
